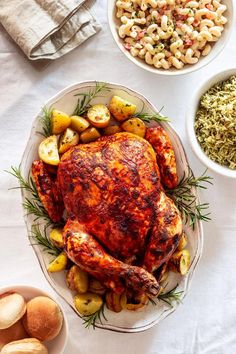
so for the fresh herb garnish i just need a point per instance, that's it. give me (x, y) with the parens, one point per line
(41, 239)
(46, 122)
(36, 209)
(32, 205)
(186, 200)
(84, 101)
(90, 320)
(147, 117)
(28, 185)
(169, 297)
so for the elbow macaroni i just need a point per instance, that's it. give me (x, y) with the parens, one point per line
(170, 33)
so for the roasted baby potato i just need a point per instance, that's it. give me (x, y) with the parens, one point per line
(48, 151)
(88, 303)
(115, 302)
(56, 237)
(111, 129)
(90, 134)
(96, 287)
(79, 124)
(58, 264)
(182, 242)
(137, 303)
(68, 139)
(59, 121)
(121, 109)
(77, 279)
(99, 116)
(135, 126)
(180, 262)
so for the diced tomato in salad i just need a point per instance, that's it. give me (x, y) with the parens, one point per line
(140, 34)
(188, 42)
(196, 23)
(127, 46)
(181, 17)
(210, 7)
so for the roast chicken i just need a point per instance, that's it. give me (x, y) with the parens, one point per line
(121, 227)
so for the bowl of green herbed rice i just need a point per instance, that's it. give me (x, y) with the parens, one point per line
(211, 123)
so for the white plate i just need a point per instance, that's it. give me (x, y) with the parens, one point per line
(125, 321)
(114, 24)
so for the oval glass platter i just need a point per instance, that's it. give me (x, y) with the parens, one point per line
(125, 321)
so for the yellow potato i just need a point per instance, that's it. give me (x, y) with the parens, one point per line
(79, 124)
(183, 242)
(77, 279)
(56, 237)
(88, 303)
(139, 302)
(68, 139)
(111, 129)
(60, 121)
(135, 126)
(99, 116)
(115, 302)
(58, 264)
(180, 262)
(48, 151)
(90, 134)
(121, 109)
(96, 287)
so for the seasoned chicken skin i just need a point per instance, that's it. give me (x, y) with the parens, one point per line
(119, 214)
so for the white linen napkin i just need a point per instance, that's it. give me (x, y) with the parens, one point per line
(48, 29)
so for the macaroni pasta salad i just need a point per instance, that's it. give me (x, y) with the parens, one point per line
(170, 33)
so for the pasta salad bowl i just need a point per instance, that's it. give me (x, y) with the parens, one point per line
(176, 285)
(152, 48)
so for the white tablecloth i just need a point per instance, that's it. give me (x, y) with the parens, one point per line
(205, 322)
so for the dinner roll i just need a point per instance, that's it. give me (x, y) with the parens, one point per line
(43, 319)
(29, 346)
(12, 308)
(15, 332)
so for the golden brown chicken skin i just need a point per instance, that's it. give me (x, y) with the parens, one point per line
(113, 186)
(166, 161)
(47, 190)
(118, 212)
(85, 251)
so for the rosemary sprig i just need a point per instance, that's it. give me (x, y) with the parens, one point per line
(171, 296)
(152, 301)
(36, 209)
(90, 320)
(28, 185)
(42, 239)
(45, 121)
(33, 205)
(149, 117)
(84, 101)
(185, 199)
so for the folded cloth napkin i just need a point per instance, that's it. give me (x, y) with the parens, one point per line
(48, 29)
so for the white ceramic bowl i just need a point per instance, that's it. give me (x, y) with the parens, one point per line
(114, 24)
(57, 345)
(125, 321)
(190, 119)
